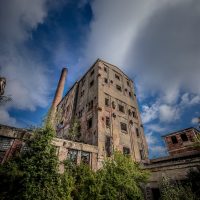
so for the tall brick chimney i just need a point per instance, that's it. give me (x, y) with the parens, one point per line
(59, 92)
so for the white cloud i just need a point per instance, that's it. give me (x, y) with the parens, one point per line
(195, 120)
(158, 151)
(27, 80)
(168, 113)
(6, 119)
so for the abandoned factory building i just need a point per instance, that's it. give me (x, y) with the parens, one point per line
(100, 114)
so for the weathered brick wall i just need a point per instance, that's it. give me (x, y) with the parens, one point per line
(181, 146)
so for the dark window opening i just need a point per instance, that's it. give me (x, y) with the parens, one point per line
(107, 121)
(90, 105)
(126, 151)
(82, 93)
(72, 155)
(130, 95)
(142, 154)
(89, 123)
(174, 139)
(105, 80)
(111, 81)
(92, 72)
(117, 77)
(91, 83)
(134, 114)
(118, 87)
(106, 102)
(108, 146)
(85, 157)
(184, 137)
(155, 193)
(128, 83)
(105, 69)
(137, 132)
(123, 126)
(121, 108)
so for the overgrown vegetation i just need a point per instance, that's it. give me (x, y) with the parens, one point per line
(176, 191)
(34, 174)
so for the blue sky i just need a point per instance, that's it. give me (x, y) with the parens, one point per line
(155, 42)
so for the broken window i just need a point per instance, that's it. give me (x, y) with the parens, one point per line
(90, 105)
(137, 132)
(174, 139)
(92, 72)
(105, 80)
(117, 77)
(91, 83)
(142, 154)
(119, 88)
(134, 114)
(126, 151)
(106, 101)
(108, 146)
(5, 144)
(72, 155)
(89, 123)
(123, 126)
(184, 137)
(121, 108)
(107, 121)
(85, 157)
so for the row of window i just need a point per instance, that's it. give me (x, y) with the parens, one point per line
(117, 76)
(183, 137)
(121, 108)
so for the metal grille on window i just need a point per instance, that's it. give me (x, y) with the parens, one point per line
(5, 143)
(85, 157)
(72, 155)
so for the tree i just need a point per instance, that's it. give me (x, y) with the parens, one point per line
(122, 178)
(73, 132)
(35, 174)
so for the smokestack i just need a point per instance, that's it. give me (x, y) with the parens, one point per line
(60, 88)
(58, 94)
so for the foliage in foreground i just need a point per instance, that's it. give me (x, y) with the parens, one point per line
(34, 174)
(176, 191)
(120, 178)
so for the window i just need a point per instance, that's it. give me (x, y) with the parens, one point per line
(121, 108)
(184, 137)
(92, 72)
(137, 132)
(126, 151)
(130, 95)
(85, 157)
(89, 123)
(90, 105)
(91, 83)
(105, 80)
(105, 69)
(123, 126)
(128, 83)
(82, 93)
(106, 101)
(72, 155)
(142, 154)
(107, 121)
(134, 114)
(119, 88)
(108, 146)
(174, 139)
(117, 77)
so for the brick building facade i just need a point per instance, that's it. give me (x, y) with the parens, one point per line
(104, 102)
